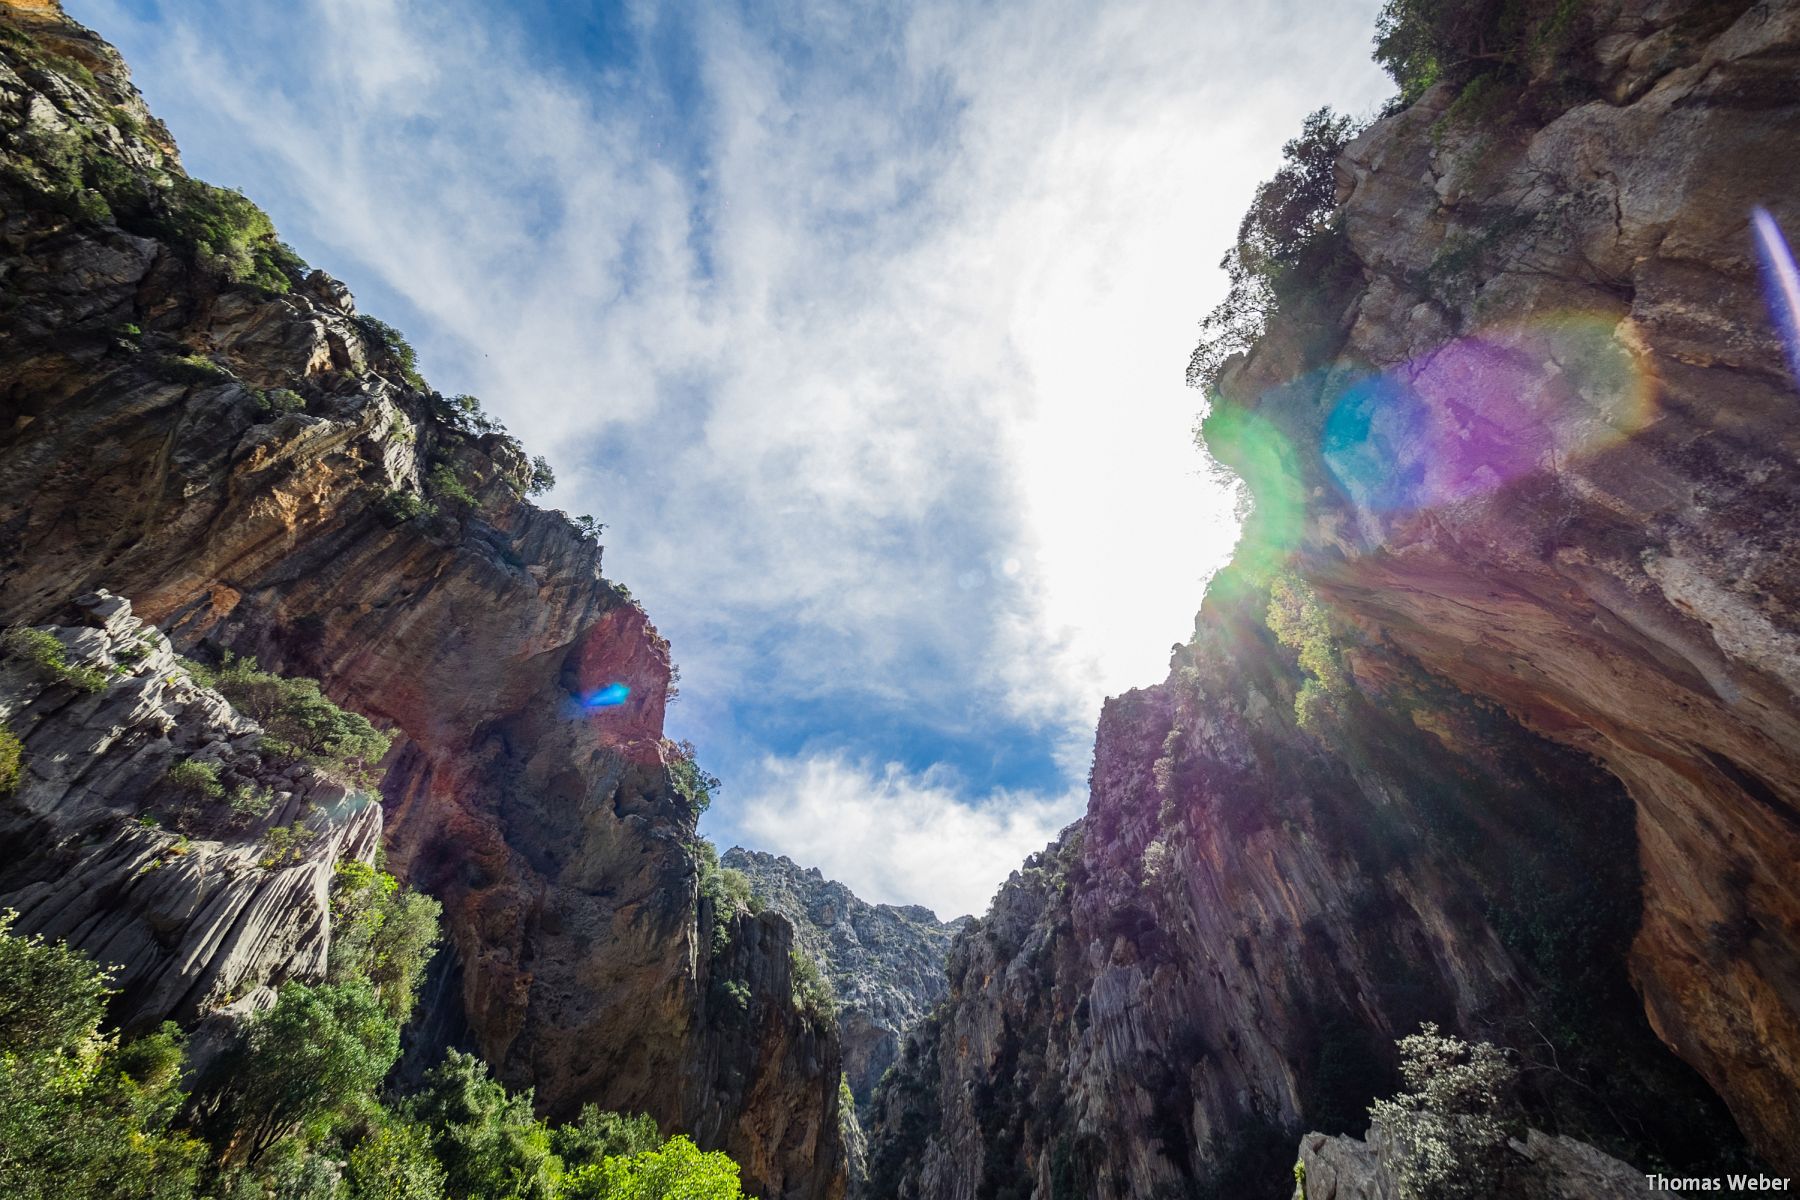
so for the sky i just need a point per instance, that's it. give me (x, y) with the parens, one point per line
(862, 326)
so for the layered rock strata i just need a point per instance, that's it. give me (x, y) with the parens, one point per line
(199, 906)
(884, 961)
(1524, 552)
(257, 467)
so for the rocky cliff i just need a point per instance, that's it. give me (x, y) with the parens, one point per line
(195, 421)
(1494, 720)
(884, 961)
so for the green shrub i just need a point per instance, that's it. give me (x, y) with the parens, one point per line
(285, 844)
(12, 754)
(1298, 622)
(401, 504)
(597, 1135)
(489, 1141)
(381, 933)
(253, 801)
(197, 779)
(280, 400)
(45, 652)
(298, 720)
(390, 341)
(306, 1064)
(224, 232)
(193, 369)
(1280, 243)
(679, 1169)
(445, 484)
(542, 477)
(813, 994)
(394, 1162)
(82, 1118)
(692, 784)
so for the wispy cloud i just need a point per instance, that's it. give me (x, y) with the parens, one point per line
(862, 326)
(900, 836)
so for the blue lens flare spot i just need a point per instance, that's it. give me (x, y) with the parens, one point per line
(610, 696)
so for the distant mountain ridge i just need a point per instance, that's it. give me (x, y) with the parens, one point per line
(885, 961)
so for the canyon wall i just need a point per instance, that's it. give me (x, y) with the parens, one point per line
(1495, 719)
(884, 961)
(196, 422)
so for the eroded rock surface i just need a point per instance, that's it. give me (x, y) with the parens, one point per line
(189, 900)
(1545, 1167)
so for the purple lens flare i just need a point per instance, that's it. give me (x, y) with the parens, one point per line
(1781, 285)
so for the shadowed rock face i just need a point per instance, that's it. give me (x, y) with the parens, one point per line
(1529, 449)
(885, 961)
(551, 832)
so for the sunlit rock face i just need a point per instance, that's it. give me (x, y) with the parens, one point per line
(261, 504)
(885, 961)
(1532, 458)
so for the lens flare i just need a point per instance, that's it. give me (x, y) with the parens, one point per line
(1482, 411)
(610, 696)
(1781, 285)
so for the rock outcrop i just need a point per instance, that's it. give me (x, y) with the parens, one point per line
(1546, 1167)
(884, 961)
(200, 902)
(1493, 722)
(195, 421)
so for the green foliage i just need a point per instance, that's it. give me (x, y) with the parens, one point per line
(224, 232)
(446, 484)
(381, 933)
(307, 1064)
(679, 1170)
(12, 755)
(394, 1162)
(253, 801)
(1450, 1130)
(385, 338)
(813, 994)
(80, 1116)
(1281, 242)
(401, 504)
(194, 369)
(542, 477)
(1422, 42)
(1298, 622)
(47, 657)
(597, 1135)
(280, 400)
(285, 844)
(298, 720)
(487, 1139)
(693, 784)
(589, 527)
(197, 779)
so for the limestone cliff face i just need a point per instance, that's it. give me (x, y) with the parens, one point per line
(249, 463)
(1526, 479)
(884, 961)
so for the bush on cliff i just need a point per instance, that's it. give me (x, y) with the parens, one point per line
(381, 932)
(47, 657)
(12, 754)
(1286, 243)
(298, 719)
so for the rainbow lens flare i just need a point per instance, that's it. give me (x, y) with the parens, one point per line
(1485, 410)
(610, 696)
(1781, 285)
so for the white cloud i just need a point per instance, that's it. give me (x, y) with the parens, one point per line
(871, 361)
(896, 837)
